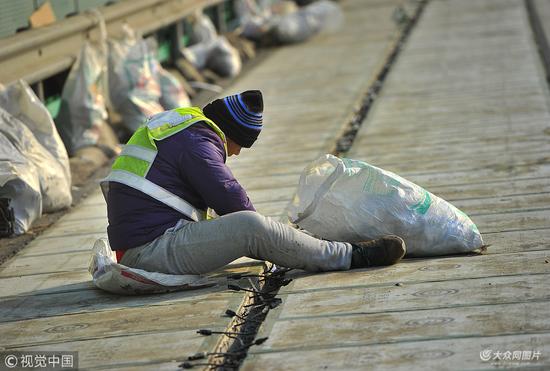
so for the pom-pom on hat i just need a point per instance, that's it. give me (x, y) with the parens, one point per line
(239, 116)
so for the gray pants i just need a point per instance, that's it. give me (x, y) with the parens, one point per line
(202, 247)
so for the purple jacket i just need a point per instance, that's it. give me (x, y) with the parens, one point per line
(190, 164)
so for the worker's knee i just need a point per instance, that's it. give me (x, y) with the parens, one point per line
(251, 221)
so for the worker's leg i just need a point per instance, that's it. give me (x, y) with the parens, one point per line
(205, 246)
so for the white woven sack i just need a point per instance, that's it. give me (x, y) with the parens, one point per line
(29, 127)
(349, 200)
(119, 279)
(133, 79)
(19, 182)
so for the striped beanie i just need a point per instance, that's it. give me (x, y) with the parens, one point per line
(239, 116)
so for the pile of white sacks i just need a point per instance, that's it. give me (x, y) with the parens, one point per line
(122, 75)
(210, 50)
(34, 166)
(284, 22)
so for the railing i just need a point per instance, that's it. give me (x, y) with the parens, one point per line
(37, 54)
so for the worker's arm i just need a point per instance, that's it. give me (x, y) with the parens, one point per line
(212, 179)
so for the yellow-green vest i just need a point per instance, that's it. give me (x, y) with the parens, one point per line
(137, 156)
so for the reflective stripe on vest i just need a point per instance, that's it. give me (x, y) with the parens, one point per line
(142, 153)
(135, 160)
(157, 192)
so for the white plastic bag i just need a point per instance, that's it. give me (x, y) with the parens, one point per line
(296, 27)
(204, 31)
(352, 201)
(224, 59)
(172, 93)
(116, 278)
(20, 101)
(19, 182)
(82, 112)
(28, 125)
(133, 79)
(211, 50)
(197, 54)
(254, 17)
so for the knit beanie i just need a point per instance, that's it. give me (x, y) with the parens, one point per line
(239, 116)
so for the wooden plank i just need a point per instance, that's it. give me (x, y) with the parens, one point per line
(492, 106)
(57, 245)
(277, 194)
(446, 143)
(509, 242)
(282, 145)
(543, 12)
(464, 149)
(463, 353)
(98, 209)
(94, 198)
(292, 155)
(504, 204)
(279, 159)
(278, 216)
(18, 308)
(185, 313)
(171, 365)
(391, 129)
(406, 326)
(513, 221)
(432, 295)
(66, 262)
(45, 283)
(452, 101)
(108, 353)
(80, 279)
(318, 89)
(298, 139)
(305, 153)
(507, 162)
(459, 154)
(272, 208)
(67, 297)
(493, 49)
(496, 173)
(499, 188)
(427, 270)
(461, 78)
(91, 225)
(56, 261)
(451, 88)
(431, 107)
(274, 169)
(274, 181)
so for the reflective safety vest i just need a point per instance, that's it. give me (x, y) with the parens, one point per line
(137, 156)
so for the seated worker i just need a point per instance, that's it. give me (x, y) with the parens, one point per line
(173, 168)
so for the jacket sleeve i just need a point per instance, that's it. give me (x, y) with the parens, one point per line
(205, 170)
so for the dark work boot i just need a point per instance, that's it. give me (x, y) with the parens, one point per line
(387, 250)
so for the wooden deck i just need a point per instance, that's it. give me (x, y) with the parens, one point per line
(47, 301)
(465, 112)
